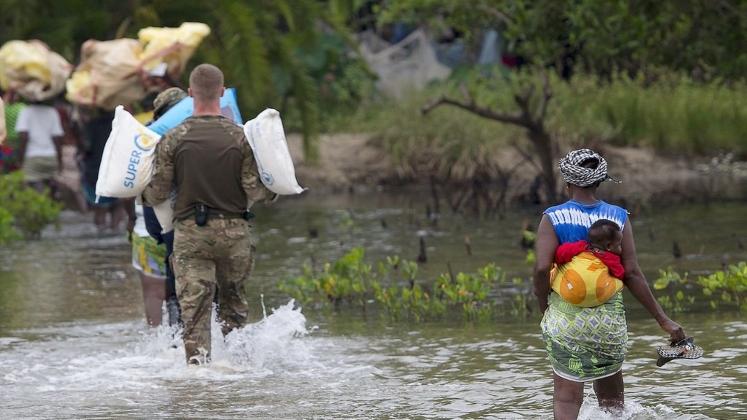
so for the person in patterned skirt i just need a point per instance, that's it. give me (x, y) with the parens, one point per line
(587, 344)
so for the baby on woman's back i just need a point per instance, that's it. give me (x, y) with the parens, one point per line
(580, 279)
(604, 241)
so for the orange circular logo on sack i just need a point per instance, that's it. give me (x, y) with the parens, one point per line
(144, 141)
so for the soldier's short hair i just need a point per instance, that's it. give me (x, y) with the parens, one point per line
(206, 82)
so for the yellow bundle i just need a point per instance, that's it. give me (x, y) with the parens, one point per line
(116, 72)
(584, 281)
(32, 70)
(173, 46)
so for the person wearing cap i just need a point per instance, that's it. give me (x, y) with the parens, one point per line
(164, 102)
(151, 248)
(209, 162)
(587, 344)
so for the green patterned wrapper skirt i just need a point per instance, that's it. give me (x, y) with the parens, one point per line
(585, 344)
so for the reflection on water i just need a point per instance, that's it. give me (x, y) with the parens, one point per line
(73, 342)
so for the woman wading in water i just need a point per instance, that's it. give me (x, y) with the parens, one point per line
(587, 344)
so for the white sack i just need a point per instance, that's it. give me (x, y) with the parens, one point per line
(127, 162)
(267, 139)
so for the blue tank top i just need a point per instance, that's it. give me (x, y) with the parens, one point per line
(571, 220)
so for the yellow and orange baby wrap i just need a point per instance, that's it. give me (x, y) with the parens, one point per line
(584, 281)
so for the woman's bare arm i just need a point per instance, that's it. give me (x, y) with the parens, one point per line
(544, 247)
(638, 286)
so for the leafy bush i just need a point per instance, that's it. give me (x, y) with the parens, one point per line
(7, 231)
(722, 288)
(345, 281)
(730, 286)
(393, 287)
(24, 212)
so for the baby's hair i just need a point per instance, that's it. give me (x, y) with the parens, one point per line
(602, 232)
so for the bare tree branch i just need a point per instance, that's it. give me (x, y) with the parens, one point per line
(496, 13)
(523, 100)
(466, 94)
(518, 164)
(477, 110)
(526, 157)
(546, 96)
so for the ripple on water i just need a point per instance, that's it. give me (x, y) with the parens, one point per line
(280, 368)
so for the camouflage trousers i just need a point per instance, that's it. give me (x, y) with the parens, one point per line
(218, 255)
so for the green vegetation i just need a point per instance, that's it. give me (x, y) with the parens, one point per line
(394, 289)
(724, 288)
(24, 212)
(446, 142)
(669, 75)
(599, 41)
(706, 38)
(672, 114)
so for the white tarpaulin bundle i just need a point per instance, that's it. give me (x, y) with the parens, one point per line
(108, 74)
(32, 70)
(409, 64)
(267, 139)
(114, 72)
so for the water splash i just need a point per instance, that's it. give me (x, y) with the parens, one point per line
(266, 345)
(81, 357)
(633, 410)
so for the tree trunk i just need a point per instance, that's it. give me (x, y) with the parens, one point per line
(543, 146)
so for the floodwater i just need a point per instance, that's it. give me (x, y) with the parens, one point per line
(73, 342)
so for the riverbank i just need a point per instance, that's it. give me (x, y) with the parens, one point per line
(357, 162)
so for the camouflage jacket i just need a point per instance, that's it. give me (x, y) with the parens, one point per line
(207, 160)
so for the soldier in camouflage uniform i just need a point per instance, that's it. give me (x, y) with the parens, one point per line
(209, 162)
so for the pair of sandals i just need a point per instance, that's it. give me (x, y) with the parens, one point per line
(684, 349)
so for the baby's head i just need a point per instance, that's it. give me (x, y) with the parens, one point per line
(606, 236)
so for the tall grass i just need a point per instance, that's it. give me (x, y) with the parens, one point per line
(672, 115)
(448, 141)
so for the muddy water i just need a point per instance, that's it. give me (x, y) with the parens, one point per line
(73, 342)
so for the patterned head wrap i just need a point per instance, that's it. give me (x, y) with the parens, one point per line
(575, 174)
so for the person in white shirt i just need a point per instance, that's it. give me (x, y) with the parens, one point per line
(40, 132)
